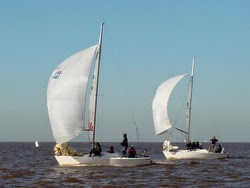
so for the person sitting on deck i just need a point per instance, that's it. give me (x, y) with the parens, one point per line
(218, 149)
(193, 146)
(188, 146)
(96, 150)
(198, 145)
(111, 149)
(131, 152)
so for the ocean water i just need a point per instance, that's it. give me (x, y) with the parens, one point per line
(24, 165)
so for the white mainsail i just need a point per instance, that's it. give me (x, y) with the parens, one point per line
(94, 92)
(92, 106)
(160, 112)
(189, 104)
(66, 95)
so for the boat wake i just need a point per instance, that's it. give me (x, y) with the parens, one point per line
(162, 162)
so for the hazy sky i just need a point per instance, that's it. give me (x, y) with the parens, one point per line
(145, 43)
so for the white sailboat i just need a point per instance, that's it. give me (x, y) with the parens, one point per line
(66, 101)
(36, 144)
(162, 122)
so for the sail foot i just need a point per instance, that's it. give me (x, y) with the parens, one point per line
(65, 150)
(168, 147)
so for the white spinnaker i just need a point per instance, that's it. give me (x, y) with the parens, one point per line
(160, 112)
(66, 95)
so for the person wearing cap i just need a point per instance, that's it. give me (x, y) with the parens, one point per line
(132, 152)
(213, 142)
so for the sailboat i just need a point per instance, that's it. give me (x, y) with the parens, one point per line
(162, 123)
(67, 96)
(36, 144)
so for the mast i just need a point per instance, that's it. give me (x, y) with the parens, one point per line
(189, 103)
(98, 60)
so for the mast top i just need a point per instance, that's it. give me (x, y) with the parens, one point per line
(101, 31)
(193, 64)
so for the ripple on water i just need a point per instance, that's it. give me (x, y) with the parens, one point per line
(24, 165)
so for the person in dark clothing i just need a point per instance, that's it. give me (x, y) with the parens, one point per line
(111, 149)
(193, 146)
(198, 145)
(218, 149)
(96, 150)
(132, 152)
(188, 146)
(213, 142)
(124, 144)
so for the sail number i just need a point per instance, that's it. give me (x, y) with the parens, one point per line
(56, 75)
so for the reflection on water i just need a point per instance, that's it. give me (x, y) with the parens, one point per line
(23, 164)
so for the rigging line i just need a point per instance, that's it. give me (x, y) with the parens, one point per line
(171, 134)
(181, 130)
(181, 108)
(177, 119)
(136, 128)
(175, 136)
(134, 122)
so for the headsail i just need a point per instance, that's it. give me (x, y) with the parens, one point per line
(66, 95)
(160, 112)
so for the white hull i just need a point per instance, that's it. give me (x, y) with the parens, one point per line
(106, 159)
(193, 154)
(125, 161)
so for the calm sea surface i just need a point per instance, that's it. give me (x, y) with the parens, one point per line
(24, 165)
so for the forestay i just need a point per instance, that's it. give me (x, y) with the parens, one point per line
(66, 95)
(160, 112)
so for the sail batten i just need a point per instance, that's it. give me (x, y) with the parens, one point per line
(160, 112)
(66, 95)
